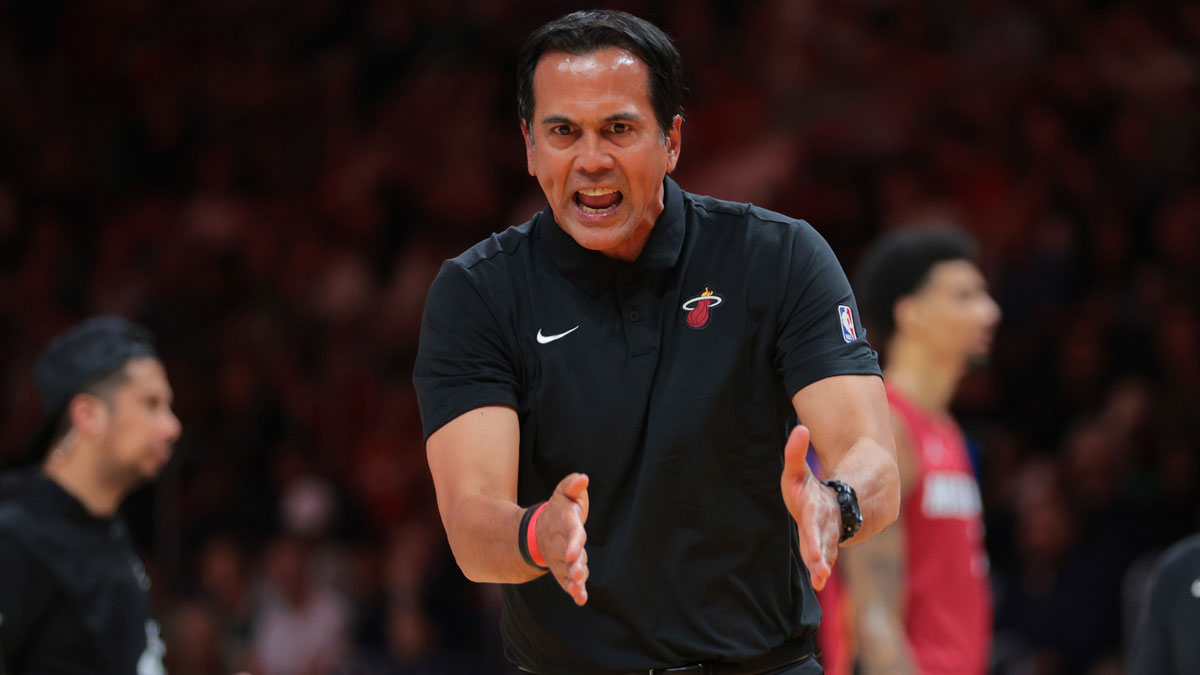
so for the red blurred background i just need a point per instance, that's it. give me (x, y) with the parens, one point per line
(270, 187)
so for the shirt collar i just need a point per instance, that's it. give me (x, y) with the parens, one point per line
(43, 496)
(593, 271)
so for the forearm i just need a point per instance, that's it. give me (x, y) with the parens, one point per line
(883, 647)
(852, 434)
(870, 468)
(874, 574)
(483, 531)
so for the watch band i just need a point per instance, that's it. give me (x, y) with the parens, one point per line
(848, 504)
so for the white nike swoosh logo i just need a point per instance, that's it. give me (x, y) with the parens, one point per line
(547, 339)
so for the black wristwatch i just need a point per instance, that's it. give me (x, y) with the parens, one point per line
(848, 502)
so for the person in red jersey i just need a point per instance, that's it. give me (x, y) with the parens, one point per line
(917, 594)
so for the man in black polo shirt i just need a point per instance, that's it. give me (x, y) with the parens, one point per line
(73, 594)
(606, 391)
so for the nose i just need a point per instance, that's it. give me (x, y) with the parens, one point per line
(993, 312)
(173, 426)
(594, 156)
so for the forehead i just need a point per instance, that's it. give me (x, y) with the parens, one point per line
(608, 75)
(145, 375)
(954, 274)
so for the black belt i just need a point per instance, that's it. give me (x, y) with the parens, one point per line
(786, 654)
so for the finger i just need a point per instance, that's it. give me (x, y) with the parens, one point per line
(818, 577)
(582, 566)
(577, 576)
(580, 596)
(576, 540)
(576, 486)
(795, 454)
(575, 582)
(813, 548)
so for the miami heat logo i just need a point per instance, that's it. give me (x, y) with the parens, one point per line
(699, 308)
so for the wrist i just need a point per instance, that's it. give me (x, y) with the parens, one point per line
(527, 537)
(846, 501)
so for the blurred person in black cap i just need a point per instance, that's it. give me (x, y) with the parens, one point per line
(73, 594)
(1166, 641)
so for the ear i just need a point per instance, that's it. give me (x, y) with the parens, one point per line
(528, 149)
(89, 415)
(674, 142)
(906, 313)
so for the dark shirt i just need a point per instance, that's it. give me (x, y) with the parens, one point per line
(678, 418)
(1168, 640)
(72, 592)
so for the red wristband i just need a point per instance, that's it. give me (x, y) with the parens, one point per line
(531, 537)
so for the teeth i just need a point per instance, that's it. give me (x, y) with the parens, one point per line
(596, 192)
(588, 209)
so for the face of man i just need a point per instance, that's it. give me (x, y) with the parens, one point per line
(139, 429)
(596, 148)
(953, 312)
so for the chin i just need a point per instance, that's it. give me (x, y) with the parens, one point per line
(597, 238)
(152, 468)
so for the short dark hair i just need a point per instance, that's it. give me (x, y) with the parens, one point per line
(102, 387)
(589, 31)
(898, 264)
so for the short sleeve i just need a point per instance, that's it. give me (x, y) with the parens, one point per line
(820, 333)
(463, 360)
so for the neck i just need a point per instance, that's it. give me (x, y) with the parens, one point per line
(926, 377)
(74, 468)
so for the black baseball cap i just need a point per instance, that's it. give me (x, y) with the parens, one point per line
(87, 351)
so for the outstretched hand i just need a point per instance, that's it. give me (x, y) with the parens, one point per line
(561, 535)
(814, 507)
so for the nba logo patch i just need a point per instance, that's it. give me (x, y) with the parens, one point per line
(848, 332)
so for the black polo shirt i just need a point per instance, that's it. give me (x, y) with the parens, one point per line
(669, 382)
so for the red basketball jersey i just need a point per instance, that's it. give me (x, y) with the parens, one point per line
(948, 603)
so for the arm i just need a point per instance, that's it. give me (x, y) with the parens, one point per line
(473, 459)
(874, 573)
(850, 430)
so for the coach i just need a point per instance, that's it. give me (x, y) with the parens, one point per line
(606, 391)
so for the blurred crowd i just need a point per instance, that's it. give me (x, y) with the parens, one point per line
(271, 186)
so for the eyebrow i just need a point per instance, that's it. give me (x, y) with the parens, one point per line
(615, 117)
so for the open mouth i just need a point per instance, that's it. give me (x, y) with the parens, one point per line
(598, 201)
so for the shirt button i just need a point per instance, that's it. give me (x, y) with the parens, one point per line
(628, 277)
(634, 315)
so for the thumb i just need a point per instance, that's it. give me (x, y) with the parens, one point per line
(795, 454)
(576, 486)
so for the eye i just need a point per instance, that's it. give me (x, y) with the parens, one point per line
(620, 128)
(560, 130)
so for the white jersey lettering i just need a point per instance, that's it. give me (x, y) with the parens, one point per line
(951, 495)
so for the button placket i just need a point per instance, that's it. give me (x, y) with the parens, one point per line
(631, 292)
